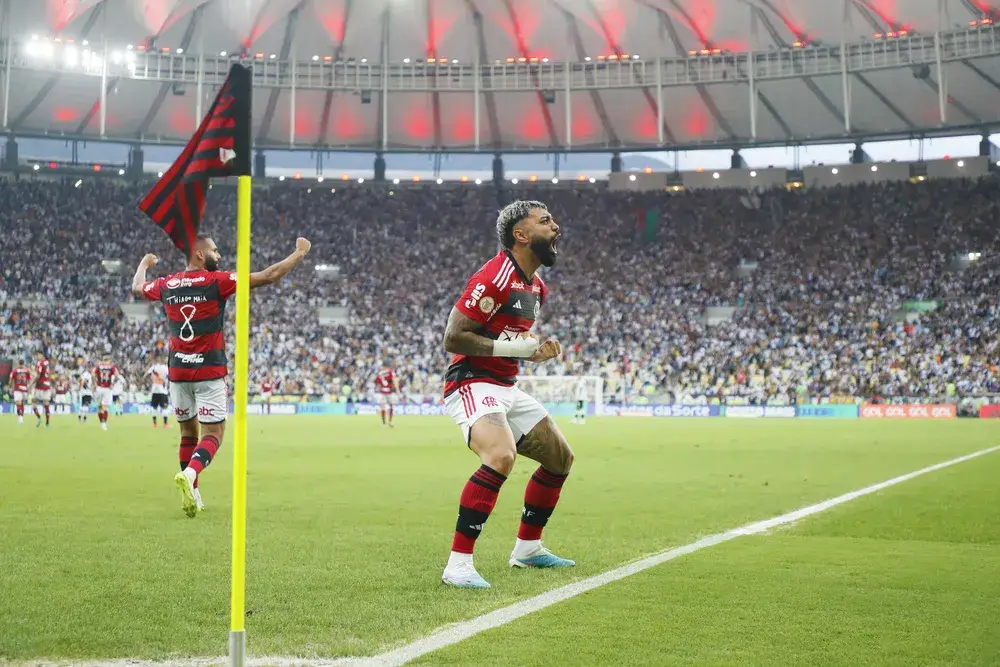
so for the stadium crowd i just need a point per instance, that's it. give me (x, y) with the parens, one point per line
(819, 314)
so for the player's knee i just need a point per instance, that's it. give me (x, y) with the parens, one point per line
(501, 460)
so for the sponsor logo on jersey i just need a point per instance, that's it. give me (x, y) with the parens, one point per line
(149, 287)
(517, 284)
(517, 304)
(477, 294)
(189, 358)
(174, 283)
(490, 402)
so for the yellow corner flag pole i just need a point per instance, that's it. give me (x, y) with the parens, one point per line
(237, 600)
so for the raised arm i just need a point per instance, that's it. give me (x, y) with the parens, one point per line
(276, 272)
(139, 279)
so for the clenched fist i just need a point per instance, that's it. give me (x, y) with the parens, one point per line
(303, 246)
(150, 260)
(550, 349)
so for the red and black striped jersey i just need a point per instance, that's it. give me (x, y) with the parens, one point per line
(42, 379)
(104, 375)
(505, 303)
(20, 378)
(385, 381)
(195, 305)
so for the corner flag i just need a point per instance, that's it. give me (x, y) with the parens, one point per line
(221, 147)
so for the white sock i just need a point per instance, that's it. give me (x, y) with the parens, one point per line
(526, 547)
(456, 559)
(190, 474)
(197, 495)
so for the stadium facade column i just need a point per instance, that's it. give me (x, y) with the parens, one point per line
(858, 155)
(135, 163)
(259, 165)
(616, 162)
(737, 161)
(498, 169)
(379, 167)
(10, 155)
(988, 150)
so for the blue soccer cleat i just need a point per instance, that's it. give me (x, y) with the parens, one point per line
(542, 558)
(463, 575)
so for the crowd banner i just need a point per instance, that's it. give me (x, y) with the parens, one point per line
(827, 411)
(989, 412)
(911, 411)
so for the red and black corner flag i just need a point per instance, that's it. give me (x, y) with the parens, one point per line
(221, 147)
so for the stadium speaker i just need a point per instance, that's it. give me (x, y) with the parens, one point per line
(616, 163)
(379, 168)
(259, 165)
(497, 169)
(10, 156)
(737, 161)
(549, 96)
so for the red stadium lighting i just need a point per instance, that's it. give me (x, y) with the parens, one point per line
(624, 56)
(416, 179)
(442, 61)
(328, 59)
(903, 33)
(522, 59)
(165, 49)
(258, 56)
(581, 178)
(890, 35)
(600, 57)
(53, 165)
(878, 35)
(297, 176)
(534, 60)
(464, 179)
(973, 23)
(705, 52)
(430, 60)
(510, 60)
(612, 57)
(648, 170)
(986, 21)
(797, 44)
(97, 167)
(345, 177)
(692, 52)
(716, 51)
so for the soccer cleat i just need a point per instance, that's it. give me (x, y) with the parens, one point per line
(542, 558)
(188, 502)
(104, 426)
(463, 575)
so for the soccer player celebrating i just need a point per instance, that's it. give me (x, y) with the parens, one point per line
(104, 377)
(386, 385)
(266, 390)
(158, 401)
(488, 333)
(20, 379)
(86, 394)
(194, 301)
(43, 389)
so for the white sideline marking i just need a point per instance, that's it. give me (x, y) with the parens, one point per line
(457, 632)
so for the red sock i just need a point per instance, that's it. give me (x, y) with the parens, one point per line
(186, 450)
(382, 412)
(37, 413)
(390, 413)
(20, 410)
(46, 413)
(478, 499)
(540, 498)
(204, 453)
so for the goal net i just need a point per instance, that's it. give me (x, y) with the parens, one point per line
(565, 389)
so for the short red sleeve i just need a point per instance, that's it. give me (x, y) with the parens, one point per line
(227, 284)
(481, 298)
(151, 291)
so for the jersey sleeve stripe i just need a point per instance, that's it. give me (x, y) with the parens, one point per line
(504, 276)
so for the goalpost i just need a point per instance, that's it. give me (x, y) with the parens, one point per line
(563, 389)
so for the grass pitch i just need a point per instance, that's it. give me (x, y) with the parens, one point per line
(350, 525)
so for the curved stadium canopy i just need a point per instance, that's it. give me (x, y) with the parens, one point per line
(520, 50)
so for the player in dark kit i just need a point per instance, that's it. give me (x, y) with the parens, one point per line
(194, 301)
(489, 333)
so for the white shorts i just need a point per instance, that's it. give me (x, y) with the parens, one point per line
(62, 399)
(103, 395)
(42, 395)
(207, 400)
(265, 396)
(386, 399)
(20, 397)
(472, 401)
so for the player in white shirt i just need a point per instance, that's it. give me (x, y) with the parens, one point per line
(159, 391)
(580, 389)
(86, 384)
(117, 391)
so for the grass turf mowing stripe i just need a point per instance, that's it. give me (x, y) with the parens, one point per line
(463, 630)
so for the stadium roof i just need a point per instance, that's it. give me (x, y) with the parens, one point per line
(901, 98)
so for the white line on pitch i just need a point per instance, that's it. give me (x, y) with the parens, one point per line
(457, 632)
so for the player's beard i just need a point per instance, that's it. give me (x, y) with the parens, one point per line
(211, 264)
(543, 251)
